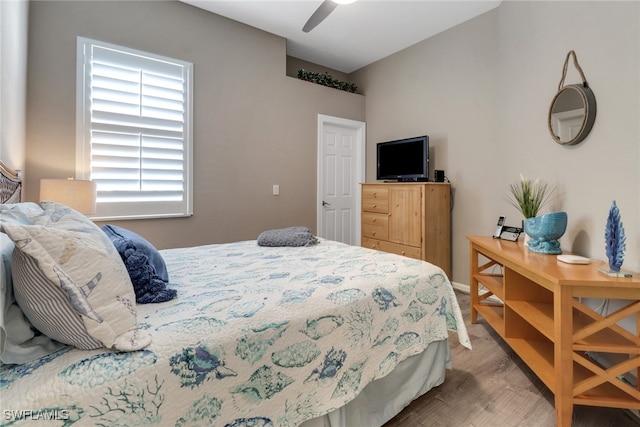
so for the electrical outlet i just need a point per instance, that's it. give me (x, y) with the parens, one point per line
(276, 190)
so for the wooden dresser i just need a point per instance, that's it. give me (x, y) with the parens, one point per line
(543, 319)
(411, 219)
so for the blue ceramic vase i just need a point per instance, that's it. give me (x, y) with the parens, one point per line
(544, 231)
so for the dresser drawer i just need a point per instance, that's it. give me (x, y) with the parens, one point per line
(394, 248)
(375, 225)
(375, 199)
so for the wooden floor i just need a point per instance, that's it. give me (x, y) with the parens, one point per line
(490, 386)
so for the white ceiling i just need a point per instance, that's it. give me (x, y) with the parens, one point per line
(353, 35)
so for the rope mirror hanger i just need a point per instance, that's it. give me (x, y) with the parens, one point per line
(573, 109)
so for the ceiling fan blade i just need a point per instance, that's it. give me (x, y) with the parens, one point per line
(319, 15)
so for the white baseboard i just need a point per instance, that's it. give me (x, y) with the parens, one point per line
(465, 289)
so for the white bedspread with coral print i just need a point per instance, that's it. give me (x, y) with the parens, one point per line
(257, 337)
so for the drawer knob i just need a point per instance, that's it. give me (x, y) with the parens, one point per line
(375, 206)
(402, 253)
(374, 220)
(373, 233)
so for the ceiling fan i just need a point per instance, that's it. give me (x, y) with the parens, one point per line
(325, 8)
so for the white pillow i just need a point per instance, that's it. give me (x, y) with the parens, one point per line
(71, 283)
(19, 341)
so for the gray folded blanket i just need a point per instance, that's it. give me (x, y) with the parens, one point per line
(291, 236)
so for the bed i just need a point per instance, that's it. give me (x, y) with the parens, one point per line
(320, 335)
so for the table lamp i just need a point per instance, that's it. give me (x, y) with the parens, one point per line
(75, 193)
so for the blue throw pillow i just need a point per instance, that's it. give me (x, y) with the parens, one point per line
(140, 243)
(145, 265)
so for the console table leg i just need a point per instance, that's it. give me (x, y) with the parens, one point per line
(473, 284)
(563, 355)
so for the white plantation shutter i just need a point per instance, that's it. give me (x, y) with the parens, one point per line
(134, 131)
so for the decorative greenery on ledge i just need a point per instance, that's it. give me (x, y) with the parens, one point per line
(325, 79)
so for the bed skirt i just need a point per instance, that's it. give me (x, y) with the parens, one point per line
(383, 399)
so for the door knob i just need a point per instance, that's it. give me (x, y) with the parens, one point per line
(325, 203)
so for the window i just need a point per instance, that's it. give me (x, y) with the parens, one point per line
(134, 131)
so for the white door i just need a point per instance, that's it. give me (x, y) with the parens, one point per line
(341, 160)
(567, 124)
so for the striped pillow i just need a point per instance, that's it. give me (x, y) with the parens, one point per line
(71, 283)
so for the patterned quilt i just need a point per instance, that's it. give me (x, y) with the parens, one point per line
(257, 337)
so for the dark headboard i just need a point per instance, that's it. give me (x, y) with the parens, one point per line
(10, 184)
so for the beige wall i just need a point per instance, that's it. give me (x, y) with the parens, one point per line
(253, 125)
(482, 92)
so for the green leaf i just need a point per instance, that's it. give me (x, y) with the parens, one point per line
(529, 197)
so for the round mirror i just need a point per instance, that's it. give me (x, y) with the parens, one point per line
(572, 113)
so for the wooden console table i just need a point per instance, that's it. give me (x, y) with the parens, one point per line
(542, 318)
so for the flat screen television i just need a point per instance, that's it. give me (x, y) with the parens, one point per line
(403, 159)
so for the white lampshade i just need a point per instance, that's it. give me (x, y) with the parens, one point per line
(77, 194)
